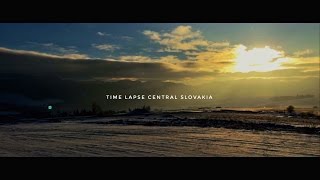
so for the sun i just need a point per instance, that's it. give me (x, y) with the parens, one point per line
(258, 59)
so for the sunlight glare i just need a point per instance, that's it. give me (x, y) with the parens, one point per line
(258, 59)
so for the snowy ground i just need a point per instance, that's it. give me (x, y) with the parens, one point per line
(75, 138)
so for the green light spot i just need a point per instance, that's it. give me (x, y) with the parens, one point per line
(49, 107)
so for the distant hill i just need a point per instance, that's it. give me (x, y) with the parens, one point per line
(287, 98)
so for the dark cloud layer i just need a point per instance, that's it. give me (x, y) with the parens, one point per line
(17, 62)
(37, 78)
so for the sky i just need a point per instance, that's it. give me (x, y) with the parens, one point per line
(282, 58)
(183, 47)
(130, 39)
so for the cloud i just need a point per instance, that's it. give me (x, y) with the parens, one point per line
(55, 48)
(303, 53)
(236, 58)
(215, 45)
(128, 38)
(56, 51)
(171, 62)
(305, 63)
(102, 34)
(152, 35)
(106, 47)
(95, 77)
(42, 64)
(168, 50)
(135, 59)
(258, 59)
(23, 52)
(41, 54)
(176, 64)
(75, 56)
(182, 38)
(204, 66)
(185, 32)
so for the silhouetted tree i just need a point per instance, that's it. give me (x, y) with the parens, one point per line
(143, 110)
(290, 109)
(83, 112)
(147, 108)
(96, 109)
(76, 112)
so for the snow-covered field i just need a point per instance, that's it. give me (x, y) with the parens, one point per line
(84, 139)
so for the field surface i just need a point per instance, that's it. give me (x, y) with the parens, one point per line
(176, 134)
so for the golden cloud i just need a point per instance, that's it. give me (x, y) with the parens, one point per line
(182, 38)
